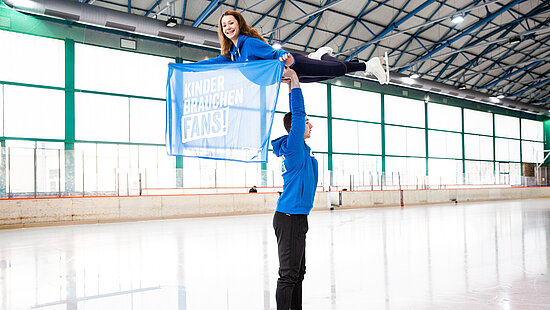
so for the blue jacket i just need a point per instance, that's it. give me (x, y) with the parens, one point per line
(300, 172)
(248, 49)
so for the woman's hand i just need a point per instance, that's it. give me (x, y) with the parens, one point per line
(287, 59)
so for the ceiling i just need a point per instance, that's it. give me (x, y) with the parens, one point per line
(419, 36)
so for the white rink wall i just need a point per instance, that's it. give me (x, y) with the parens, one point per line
(17, 213)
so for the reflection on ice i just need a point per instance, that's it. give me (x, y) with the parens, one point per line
(466, 256)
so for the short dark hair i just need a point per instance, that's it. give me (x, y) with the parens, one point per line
(288, 121)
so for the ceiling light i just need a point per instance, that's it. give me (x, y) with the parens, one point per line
(514, 40)
(277, 45)
(462, 86)
(494, 99)
(171, 22)
(408, 80)
(458, 18)
(500, 97)
(414, 76)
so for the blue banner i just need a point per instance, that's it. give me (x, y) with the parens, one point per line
(222, 111)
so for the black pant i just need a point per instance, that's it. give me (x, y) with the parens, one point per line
(313, 70)
(290, 230)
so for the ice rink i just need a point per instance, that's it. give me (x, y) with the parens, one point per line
(471, 256)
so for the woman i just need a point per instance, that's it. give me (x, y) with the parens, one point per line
(240, 43)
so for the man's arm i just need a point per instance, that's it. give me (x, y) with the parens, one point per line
(295, 139)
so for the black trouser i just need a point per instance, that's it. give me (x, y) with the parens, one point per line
(290, 230)
(313, 70)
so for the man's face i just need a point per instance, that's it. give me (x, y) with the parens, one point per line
(307, 131)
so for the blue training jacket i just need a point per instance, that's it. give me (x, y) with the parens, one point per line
(248, 49)
(300, 172)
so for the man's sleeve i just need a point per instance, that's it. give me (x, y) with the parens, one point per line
(295, 139)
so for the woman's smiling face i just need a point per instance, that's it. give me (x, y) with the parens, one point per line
(230, 27)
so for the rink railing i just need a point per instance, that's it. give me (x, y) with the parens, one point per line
(31, 172)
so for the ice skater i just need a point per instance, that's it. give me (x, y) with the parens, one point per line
(240, 43)
(300, 175)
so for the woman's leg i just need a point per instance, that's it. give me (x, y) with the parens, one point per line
(313, 70)
(350, 65)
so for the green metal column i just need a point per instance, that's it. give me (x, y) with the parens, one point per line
(383, 131)
(179, 159)
(426, 133)
(463, 149)
(520, 154)
(69, 116)
(263, 133)
(3, 167)
(546, 125)
(494, 149)
(329, 131)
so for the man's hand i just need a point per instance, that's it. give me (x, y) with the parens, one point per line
(290, 78)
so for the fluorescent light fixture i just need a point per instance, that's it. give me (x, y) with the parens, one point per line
(408, 80)
(462, 86)
(171, 22)
(414, 76)
(277, 45)
(457, 19)
(494, 99)
(514, 40)
(500, 97)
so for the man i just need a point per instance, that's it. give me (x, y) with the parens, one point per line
(300, 181)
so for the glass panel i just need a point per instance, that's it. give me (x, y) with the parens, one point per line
(405, 141)
(2, 110)
(444, 117)
(121, 72)
(319, 134)
(21, 171)
(31, 112)
(507, 150)
(479, 172)
(445, 171)
(532, 130)
(32, 59)
(506, 126)
(444, 144)
(532, 152)
(355, 137)
(147, 121)
(355, 104)
(478, 147)
(356, 171)
(403, 111)
(101, 117)
(508, 173)
(478, 122)
(406, 171)
(315, 98)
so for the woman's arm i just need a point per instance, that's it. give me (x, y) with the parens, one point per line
(216, 60)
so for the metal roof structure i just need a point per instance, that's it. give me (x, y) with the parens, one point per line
(501, 48)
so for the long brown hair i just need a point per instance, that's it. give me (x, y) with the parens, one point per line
(244, 28)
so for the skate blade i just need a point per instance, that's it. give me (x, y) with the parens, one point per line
(387, 68)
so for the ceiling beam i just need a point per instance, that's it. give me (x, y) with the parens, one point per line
(153, 7)
(214, 4)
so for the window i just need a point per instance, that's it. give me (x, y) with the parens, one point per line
(32, 59)
(506, 126)
(444, 144)
(532, 152)
(315, 98)
(445, 171)
(405, 141)
(147, 121)
(355, 104)
(356, 137)
(507, 150)
(478, 122)
(101, 118)
(31, 112)
(403, 111)
(478, 147)
(444, 117)
(319, 134)
(121, 72)
(479, 172)
(361, 170)
(532, 130)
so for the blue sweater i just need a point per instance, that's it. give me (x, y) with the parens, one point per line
(248, 49)
(300, 172)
